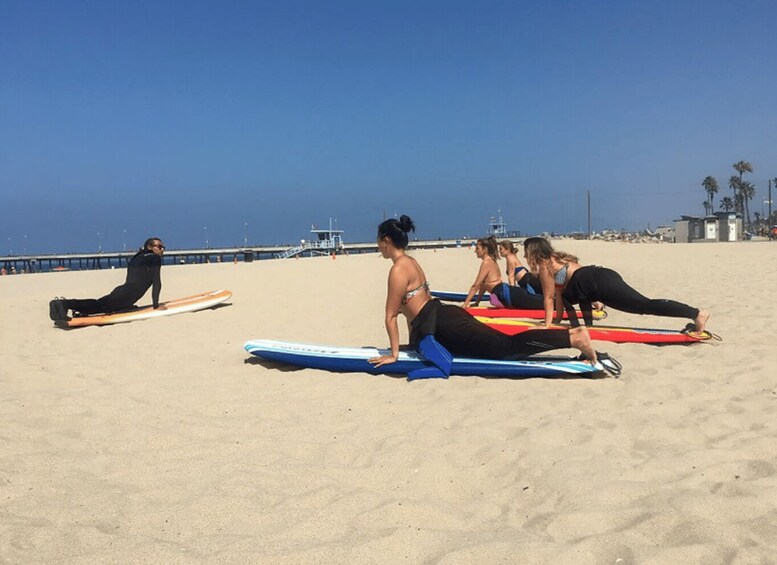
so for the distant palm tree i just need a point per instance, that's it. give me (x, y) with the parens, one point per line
(734, 182)
(726, 203)
(710, 184)
(707, 208)
(745, 167)
(739, 202)
(747, 189)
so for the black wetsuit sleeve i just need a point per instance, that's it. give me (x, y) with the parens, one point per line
(156, 281)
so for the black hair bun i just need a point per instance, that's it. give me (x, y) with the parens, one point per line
(406, 224)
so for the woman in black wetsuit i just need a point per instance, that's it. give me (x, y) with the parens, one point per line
(452, 326)
(565, 282)
(143, 272)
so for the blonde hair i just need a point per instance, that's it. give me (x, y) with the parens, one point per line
(539, 250)
(507, 244)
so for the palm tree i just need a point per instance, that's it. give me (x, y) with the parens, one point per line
(745, 167)
(710, 184)
(747, 189)
(707, 208)
(739, 201)
(734, 183)
(726, 203)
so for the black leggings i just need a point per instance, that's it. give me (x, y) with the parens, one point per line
(461, 334)
(121, 298)
(530, 280)
(591, 284)
(517, 297)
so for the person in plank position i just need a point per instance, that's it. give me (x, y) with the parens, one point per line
(143, 272)
(566, 282)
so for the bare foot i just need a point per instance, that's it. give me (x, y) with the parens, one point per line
(580, 339)
(701, 320)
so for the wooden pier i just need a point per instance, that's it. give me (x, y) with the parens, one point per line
(12, 264)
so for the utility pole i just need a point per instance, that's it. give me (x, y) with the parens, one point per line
(588, 193)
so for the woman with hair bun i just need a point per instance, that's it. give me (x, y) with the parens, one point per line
(452, 327)
(514, 270)
(517, 274)
(566, 282)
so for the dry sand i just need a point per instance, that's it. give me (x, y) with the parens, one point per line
(162, 442)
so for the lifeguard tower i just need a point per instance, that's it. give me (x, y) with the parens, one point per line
(322, 242)
(497, 226)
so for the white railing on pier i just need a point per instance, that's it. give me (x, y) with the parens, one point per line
(317, 246)
(291, 251)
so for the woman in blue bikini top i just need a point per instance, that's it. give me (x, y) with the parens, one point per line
(515, 271)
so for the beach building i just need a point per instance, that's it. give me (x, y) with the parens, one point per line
(720, 226)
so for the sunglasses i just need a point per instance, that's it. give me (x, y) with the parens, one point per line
(158, 246)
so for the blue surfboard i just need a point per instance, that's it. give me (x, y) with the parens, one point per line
(356, 360)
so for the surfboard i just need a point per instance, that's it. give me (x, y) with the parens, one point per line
(179, 306)
(537, 314)
(608, 333)
(455, 296)
(356, 360)
(522, 313)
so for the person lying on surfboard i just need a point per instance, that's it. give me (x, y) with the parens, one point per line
(517, 274)
(451, 326)
(489, 279)
(566, 282)
(143, 272)
(488, 276)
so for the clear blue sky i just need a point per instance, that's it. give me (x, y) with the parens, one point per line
(127, 119)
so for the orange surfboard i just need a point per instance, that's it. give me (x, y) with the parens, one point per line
(179, 306)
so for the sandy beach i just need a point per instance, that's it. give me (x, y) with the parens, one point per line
(161, 441)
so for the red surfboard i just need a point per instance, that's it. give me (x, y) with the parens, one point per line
(531, 314)
(610, 333)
